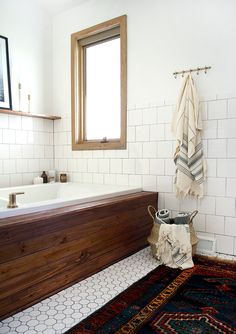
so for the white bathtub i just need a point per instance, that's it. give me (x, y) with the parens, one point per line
(54, 195)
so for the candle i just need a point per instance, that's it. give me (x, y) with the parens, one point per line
(29, 98)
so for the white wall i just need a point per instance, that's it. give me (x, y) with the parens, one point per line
(163, 36)
(26, 144)
(29, 32)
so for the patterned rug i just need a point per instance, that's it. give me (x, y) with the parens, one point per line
(200, 300)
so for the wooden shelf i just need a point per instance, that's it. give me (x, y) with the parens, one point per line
(26, 114)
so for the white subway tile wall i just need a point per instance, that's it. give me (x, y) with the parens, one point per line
(148, 162)
(26, 149)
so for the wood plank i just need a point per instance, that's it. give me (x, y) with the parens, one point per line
(48, 239)
(28, 297)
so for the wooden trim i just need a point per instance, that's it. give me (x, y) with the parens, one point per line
(78, 102)
(26, 114)
(42, 253)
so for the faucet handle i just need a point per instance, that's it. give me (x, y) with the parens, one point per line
(12, 200)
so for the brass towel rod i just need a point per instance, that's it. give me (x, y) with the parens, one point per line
(192, 70)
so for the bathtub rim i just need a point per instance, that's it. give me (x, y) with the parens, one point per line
(37, 207)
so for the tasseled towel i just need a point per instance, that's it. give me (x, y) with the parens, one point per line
(173, 247)
(187, 126)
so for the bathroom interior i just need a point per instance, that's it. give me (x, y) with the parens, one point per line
(37, 133)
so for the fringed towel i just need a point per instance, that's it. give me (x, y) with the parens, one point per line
(188, 158)
(173, 247)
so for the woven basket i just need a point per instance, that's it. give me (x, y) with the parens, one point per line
(153, 237)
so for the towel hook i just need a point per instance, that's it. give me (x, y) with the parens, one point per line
(183, 74)
(198, 70)
(205, 70)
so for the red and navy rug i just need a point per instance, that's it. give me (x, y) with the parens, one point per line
(200, 300)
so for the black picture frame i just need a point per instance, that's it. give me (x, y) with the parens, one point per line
(5, 80)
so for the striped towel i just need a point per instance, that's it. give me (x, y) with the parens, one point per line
(173, 247)
(188, 158)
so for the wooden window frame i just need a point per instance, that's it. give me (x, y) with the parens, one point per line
(78, 41)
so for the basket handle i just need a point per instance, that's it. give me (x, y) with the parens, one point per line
(152, 211)
(193, 214)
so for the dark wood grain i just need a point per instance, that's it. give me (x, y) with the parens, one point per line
(43, 253)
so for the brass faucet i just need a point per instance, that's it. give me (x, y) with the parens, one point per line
(12, 200)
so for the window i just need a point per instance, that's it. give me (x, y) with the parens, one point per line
(98, 72)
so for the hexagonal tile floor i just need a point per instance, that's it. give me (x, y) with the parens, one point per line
(63, 310)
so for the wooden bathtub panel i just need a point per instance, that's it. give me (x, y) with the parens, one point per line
(77, 257)
(68, 248)
(29, 245)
